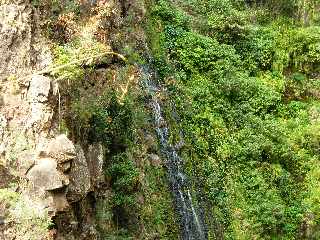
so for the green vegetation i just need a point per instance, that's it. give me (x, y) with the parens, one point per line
(101, 102)
(244, 79)
(100, 111)
(243, 76)
(29, 221)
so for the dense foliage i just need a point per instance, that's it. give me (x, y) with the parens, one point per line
(101, 102)
(244, 77)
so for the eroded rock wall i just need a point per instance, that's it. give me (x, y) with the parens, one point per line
(49, 172)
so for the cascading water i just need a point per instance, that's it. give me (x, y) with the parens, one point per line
(192, 224)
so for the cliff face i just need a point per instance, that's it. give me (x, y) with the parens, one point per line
(25, 100)
(230, 89)
(66, 173)
(44, 171)
(26, 115)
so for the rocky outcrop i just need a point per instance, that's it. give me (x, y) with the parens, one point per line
(25, 108)
(45, 175)
(61, 149)
(15, 38)
(73, 174)
(63, 171)
(22, 49)
(54, 173)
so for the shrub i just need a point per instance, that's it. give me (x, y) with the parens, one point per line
(244, 109)
(124, 179)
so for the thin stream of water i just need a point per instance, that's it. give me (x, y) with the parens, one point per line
(192, 224)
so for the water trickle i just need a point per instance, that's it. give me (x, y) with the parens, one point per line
(192, 224)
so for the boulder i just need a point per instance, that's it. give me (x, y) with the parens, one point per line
(61, 149)
(44, 175)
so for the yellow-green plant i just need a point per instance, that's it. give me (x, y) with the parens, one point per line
(29, 221)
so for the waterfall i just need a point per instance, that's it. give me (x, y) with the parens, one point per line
(192, 224)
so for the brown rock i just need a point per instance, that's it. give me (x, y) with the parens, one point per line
(44, 175)
(15, 38)
(65, 166)
(61, 149)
